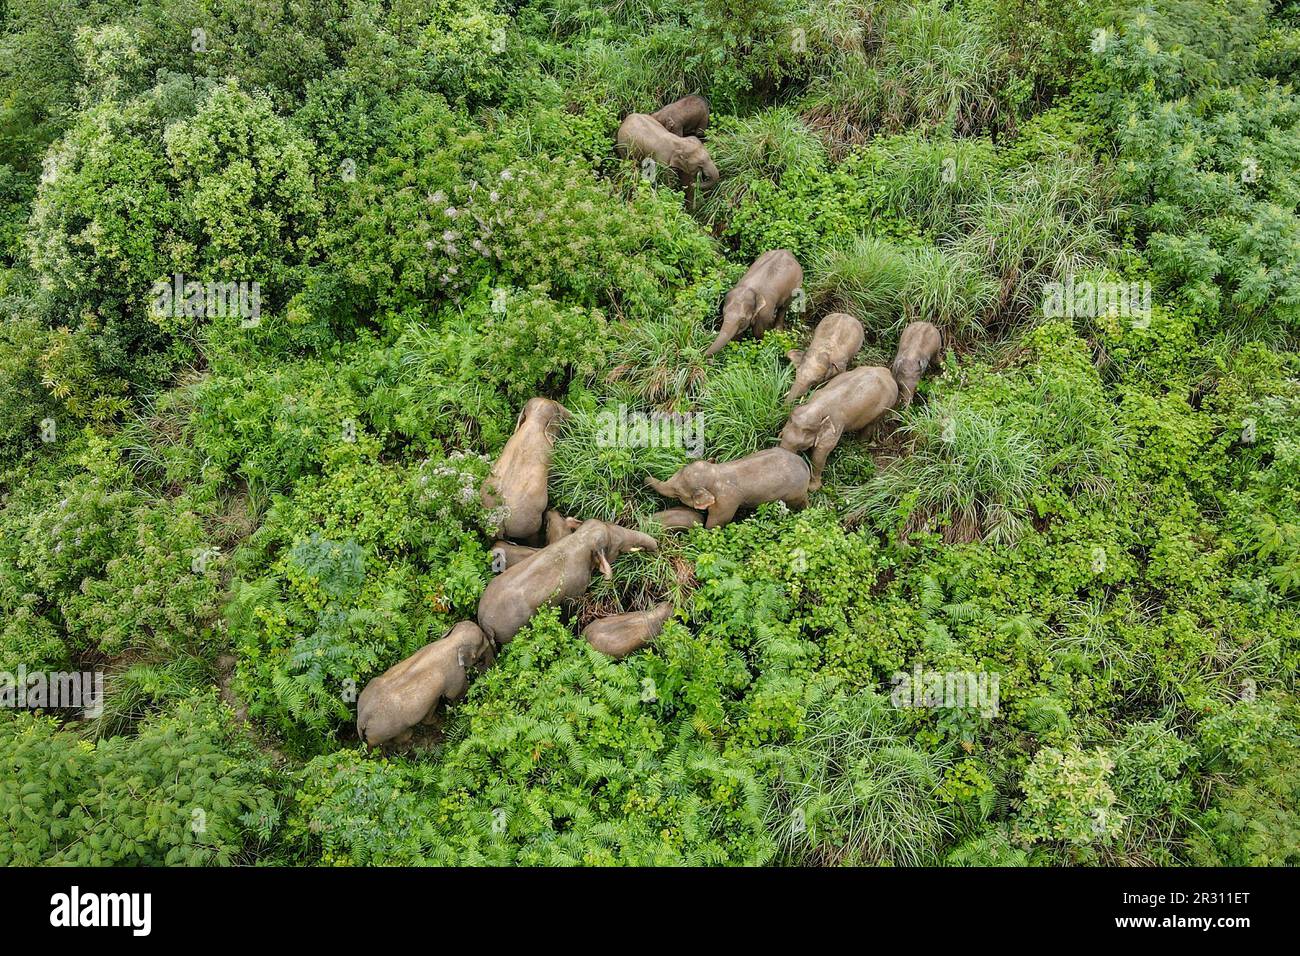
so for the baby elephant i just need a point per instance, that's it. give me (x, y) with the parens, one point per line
(559, 527)
(917, 348)
(507, 555)
(620, 634)
(760, 299)
(410, 692)
(677, 519)
(770, 475)
(518, 479)
(558, 572)
(688, 116)
(849, 402)
(640, 136)
(836, 340)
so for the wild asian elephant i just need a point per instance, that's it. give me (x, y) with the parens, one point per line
(849, 402)
(558, 572)
(618, 635)
(917, 348)
(760, 299)
(688, 116)
(676, 519)
(641, 136)
(773, 474)
(409, 692)
(517, 481)
(835, 342)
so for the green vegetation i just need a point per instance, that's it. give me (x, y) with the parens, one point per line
(240, 511)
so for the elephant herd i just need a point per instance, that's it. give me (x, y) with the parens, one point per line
(544, 558)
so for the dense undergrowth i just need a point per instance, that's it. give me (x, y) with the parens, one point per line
(240, 523)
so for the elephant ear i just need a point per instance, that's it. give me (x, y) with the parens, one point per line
(795, 356)
(601, 561)
(827, 430)
(703, 499)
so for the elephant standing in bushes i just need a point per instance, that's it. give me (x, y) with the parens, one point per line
(640, 136)
(688, 116)
(618, 635)
(849, 402)
(409, 692)
(518, 479)
(760, 299)
(770, 475)
(917, 348)
(834, 343)
(558, 572)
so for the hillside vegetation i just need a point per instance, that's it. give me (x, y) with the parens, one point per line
(241, 515)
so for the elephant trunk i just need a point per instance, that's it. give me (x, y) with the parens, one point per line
(725, 335)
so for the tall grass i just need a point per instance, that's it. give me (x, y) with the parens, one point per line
(853, 791)
(743, 404)
(970, 470)
(757, 148)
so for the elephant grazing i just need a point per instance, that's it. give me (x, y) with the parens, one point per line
(518, 479)
(834, 343)
(760, 299)
(849, 402)
(558, 572)
(640, 136)
(409, 692)
(917, 348)
(770, 475)
(688, 116)
(618, 635)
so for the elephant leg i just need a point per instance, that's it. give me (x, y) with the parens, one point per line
(721, 512)
(821, 451)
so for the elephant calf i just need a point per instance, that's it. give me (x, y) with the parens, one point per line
(558, 572)
(640, 136)
(849, 402)
(517, 481)
(834, 343)
(678, 519)
(410, 692)
(507, 555)
(760, 299)
(618, 635)
(774, 474)
(688, 116)
(917, 348)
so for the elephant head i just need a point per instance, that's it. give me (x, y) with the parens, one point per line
(611, 540)
(691, 485)
(808, 371)
(545, 413)
(804, 427)
(738, 311)
(693, 160)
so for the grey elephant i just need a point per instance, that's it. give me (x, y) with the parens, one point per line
(409, 692)
(773, 474)
(618, 635)
(506, 554)
(688, 116)
(760, 299)
(558, 572)
(641, 136)
(677, 519)
(517, 481)
(835, 342)
(559, 527)
(849, 402)
(917, 348)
